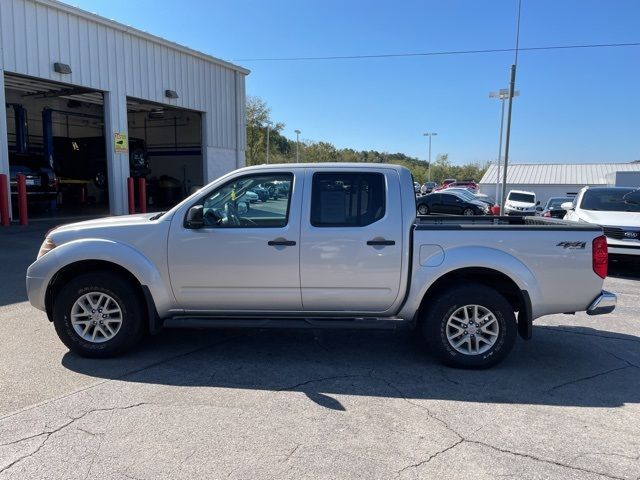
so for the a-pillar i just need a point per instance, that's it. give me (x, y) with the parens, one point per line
(4, 143)
(115, 122)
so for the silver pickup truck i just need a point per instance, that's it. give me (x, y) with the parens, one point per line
(329, 246)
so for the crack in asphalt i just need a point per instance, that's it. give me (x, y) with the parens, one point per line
(123, 376)
(631, 364)
(50, 433)
(589, 377)
(431, 457)
(319, 380)
(462, 439)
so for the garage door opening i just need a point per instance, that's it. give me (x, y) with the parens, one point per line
(56, 139)
(166, 143)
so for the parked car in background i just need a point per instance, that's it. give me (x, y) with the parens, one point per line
(477, 196)
(429, 186)
(553, 207)
(454, 203)
(616, 210)
(263, 193)
(520, 203)
(445, 183)
(40, 179)
(248, 197)
(468, 184)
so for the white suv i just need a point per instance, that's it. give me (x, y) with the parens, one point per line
(616, 209)
(520, 203)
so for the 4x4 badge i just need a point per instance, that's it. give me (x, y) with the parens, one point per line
(572, 245)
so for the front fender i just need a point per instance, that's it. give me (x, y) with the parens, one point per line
(458, 258)
(40, 273)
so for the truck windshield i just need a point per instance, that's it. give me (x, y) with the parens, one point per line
(522, 197)
(610, 200)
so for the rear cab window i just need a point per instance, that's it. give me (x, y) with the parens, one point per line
(349, 199)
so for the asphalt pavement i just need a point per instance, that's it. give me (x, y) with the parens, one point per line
(263, 404)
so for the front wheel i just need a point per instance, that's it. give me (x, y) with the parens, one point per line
(98, 315)
(471, 326)
(468, 212)
(423, 209)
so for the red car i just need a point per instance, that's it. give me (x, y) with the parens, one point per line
(468, 184)
(445, 184)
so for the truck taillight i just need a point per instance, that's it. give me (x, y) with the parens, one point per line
(600, 256)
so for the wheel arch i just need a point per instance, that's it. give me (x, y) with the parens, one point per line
(505, 285)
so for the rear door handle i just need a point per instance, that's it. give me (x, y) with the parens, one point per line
(381, 242)
(281, 242)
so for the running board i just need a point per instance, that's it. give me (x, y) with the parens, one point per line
(313, 323)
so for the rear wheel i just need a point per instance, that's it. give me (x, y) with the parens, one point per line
(423, 209)
(468, 211)
(471, 326)
(98, 315)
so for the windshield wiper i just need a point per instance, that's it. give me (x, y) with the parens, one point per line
(157, 216)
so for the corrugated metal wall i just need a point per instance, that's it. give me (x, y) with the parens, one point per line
(124, 62)
(37, 33)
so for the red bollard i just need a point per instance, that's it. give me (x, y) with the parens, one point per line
(142, 191)
(132, 204)
(4, 201)
(22, 199)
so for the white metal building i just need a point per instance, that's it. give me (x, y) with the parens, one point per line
(554, 180)
(50, 50)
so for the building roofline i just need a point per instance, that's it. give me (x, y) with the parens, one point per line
(93, 17)
(563, 164)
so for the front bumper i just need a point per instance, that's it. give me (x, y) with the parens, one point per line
(36, 289)
(604, 303)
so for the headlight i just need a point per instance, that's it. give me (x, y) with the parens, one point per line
(46, 246)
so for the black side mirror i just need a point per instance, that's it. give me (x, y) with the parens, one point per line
(195, 218)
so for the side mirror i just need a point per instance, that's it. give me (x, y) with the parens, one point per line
(567, 206)
(538, 203)
(195, 218)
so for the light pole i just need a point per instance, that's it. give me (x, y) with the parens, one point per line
(268, 128)
(429, 134)
(502, 95)
(298, 132)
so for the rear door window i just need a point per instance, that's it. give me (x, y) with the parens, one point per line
(347, 199)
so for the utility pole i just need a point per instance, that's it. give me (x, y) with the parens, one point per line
(429, 134)
(502, 95)
(298, 132)
(268, 128)
(512, 89)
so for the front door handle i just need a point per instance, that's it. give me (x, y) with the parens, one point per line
(281, 242)
(381, 242)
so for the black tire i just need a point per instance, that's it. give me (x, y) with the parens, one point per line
(468, 211)
(423, 209)
(434, 325)
(100, 179)
(122, 292)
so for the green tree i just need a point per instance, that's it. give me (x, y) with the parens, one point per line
(283, 150)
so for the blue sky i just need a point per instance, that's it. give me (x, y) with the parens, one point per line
(575, 105)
